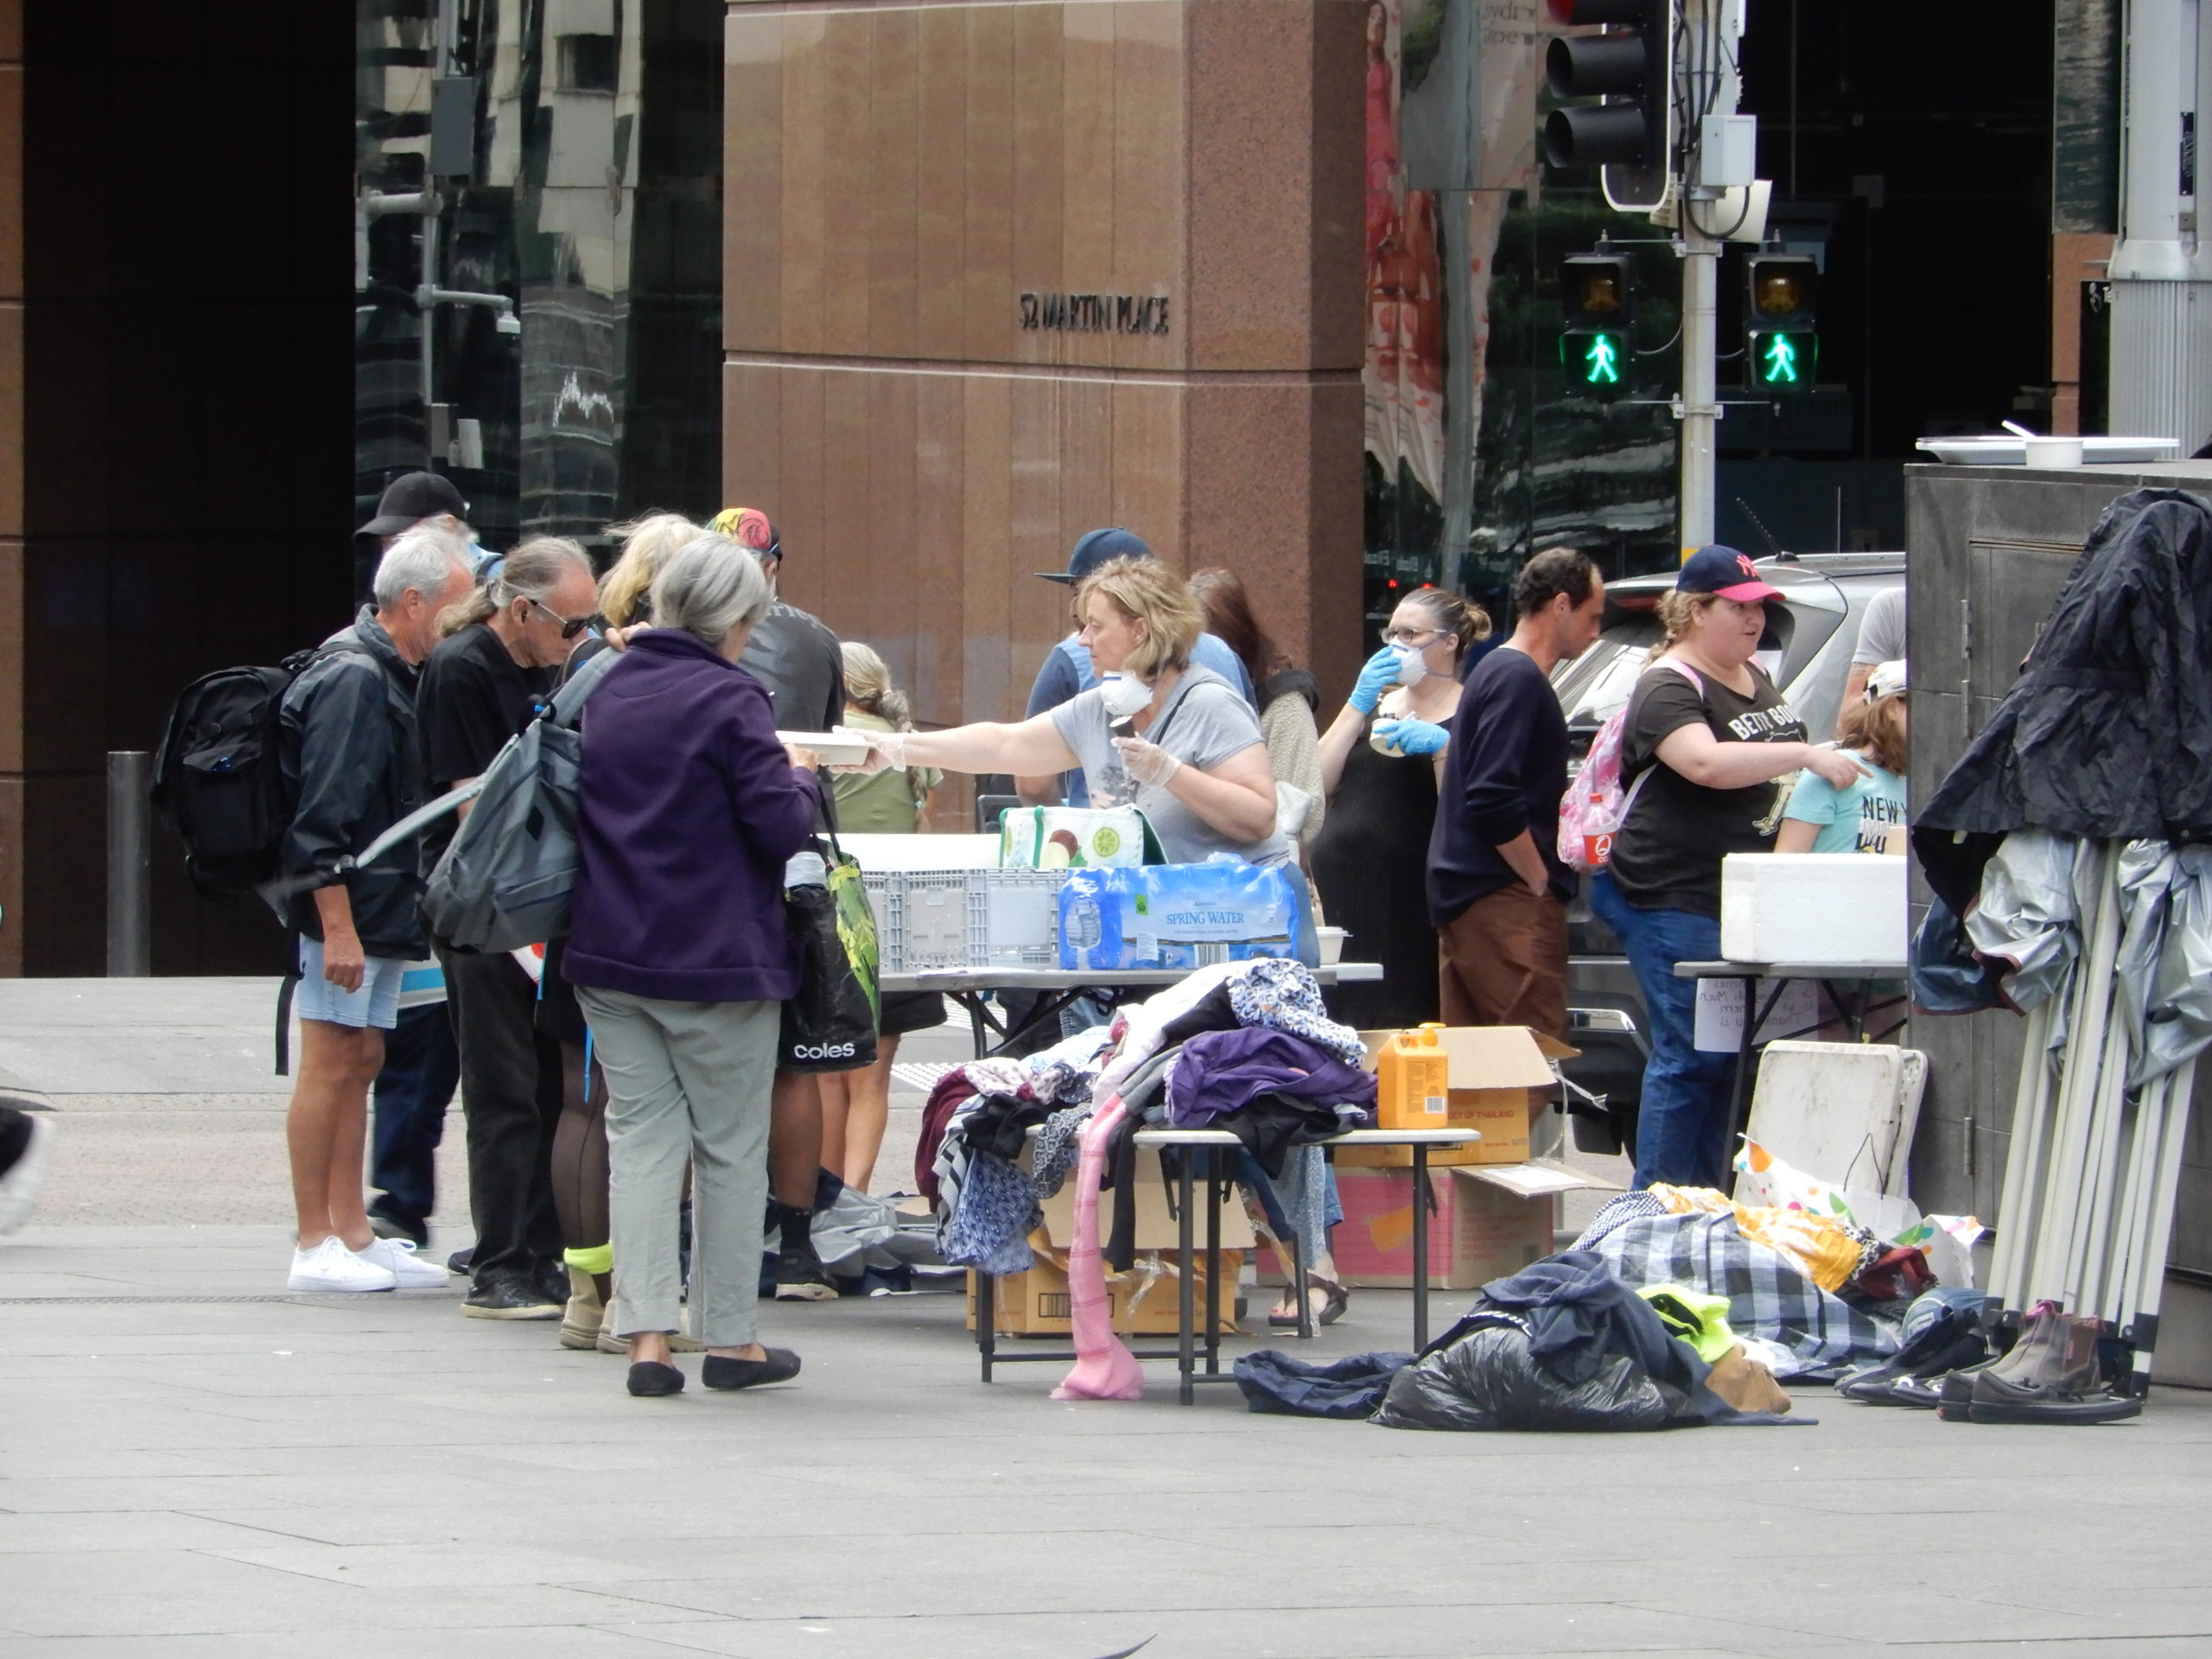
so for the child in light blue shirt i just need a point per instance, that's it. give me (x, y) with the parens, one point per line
(1869, 815)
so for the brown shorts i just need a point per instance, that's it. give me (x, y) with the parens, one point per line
(1503, 961)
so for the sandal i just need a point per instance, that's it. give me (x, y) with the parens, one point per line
(1335, 1299)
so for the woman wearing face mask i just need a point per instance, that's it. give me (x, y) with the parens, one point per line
(1371, 859)
(1707, 755)
(1176, 739)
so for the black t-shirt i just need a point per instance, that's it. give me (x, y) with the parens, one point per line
(797, 657)
(473, 697)
(1667, 855)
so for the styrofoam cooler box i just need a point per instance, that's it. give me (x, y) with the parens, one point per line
(1844, 908)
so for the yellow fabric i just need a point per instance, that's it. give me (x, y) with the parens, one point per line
(1692, 1200)
(1699, 1319)
(1827, 1254)
(597, 1260)
(1823, 1250)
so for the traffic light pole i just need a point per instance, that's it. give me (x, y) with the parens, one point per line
(1699, 407)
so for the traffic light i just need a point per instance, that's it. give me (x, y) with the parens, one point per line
(1782, 342)
(1629, 135)
(1597, 298)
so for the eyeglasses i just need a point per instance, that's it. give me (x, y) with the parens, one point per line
(1410, 636)
(569, 629)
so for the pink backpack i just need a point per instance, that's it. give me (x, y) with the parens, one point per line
(1593, 809)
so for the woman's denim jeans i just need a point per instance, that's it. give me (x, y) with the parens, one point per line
(1682, 1128)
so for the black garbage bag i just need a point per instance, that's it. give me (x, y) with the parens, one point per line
(1562, 1344)
(1347, 1389)
(1488, 1379)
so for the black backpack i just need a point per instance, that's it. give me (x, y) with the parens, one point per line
(219, 778)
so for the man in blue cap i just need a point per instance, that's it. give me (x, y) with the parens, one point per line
(1067, 669)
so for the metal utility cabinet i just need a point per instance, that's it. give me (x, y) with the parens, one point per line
(1989, 547)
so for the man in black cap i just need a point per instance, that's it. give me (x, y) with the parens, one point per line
(1067, 670)
(421, 1060)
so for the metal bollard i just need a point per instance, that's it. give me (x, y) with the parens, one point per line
(129, 891)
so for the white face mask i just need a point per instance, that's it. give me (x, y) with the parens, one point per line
(1413, 667)
(1124, 695)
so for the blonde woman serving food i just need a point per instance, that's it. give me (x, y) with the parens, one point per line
(1176, 739)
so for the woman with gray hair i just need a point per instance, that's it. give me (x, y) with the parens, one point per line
(677, 947)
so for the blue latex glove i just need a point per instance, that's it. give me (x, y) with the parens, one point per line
(1412, 736)
(1380, 674)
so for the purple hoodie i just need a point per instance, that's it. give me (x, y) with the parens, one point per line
(690, 812)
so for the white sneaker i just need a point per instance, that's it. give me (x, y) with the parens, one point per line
(331, 1266)
(413, 1272)
(19, 1187)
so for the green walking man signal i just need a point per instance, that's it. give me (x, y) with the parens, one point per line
(1597, 309)
(1780, 301)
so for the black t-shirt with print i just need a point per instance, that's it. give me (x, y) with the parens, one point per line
(1668, 856)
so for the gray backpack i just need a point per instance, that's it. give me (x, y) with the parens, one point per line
(505, 881)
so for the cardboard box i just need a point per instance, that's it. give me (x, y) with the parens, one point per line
(1141, 1302)
(1156, 1226)
(1840, 908)
(1488, 1222)
(1496, 1078)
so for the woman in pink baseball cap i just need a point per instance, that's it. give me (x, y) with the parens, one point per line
(1708, 754)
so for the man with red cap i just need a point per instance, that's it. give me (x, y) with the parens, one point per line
(800, 660)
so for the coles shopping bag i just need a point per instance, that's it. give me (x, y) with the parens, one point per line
(830, 1025)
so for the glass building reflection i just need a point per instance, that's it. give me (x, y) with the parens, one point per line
(591, 194)
(1479, 453)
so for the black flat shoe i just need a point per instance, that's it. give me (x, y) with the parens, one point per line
(721, 1372)
(649, 1377)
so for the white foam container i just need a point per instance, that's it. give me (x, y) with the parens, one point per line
(1841, 909)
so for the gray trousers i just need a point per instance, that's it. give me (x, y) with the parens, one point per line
(686, 1082)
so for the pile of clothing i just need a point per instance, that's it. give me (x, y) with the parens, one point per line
(1244, 1046)
(1563, 1345)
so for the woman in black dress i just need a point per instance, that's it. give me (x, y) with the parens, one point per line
(1370, 860)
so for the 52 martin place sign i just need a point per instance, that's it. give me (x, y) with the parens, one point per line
(1096, 313)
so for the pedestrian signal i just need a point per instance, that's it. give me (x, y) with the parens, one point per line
(1781, 344)
(1597, 304)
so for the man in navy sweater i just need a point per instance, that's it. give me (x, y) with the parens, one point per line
(1496, 890)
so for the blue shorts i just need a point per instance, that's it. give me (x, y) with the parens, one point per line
(377, 1003)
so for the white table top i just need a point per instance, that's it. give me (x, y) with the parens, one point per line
(1729, 969)
(1067, 979)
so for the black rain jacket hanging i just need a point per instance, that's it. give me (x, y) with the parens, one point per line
(2107, 734)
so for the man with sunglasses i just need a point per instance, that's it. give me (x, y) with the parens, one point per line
(481, 685)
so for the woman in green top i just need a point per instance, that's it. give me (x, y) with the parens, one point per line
(856, 1105)
(1868, 815)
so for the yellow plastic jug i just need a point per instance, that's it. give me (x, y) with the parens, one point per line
(1412, 1079)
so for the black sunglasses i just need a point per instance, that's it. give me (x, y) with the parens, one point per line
(569, 630)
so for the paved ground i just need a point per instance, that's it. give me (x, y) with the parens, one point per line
(191, 1463)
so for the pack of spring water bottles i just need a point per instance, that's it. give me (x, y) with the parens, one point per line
(1184, 915)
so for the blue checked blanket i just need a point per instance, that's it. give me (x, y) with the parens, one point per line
(1767, 1295)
